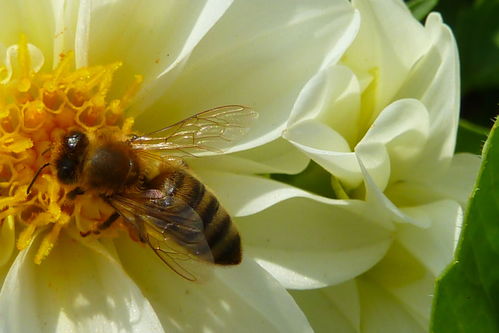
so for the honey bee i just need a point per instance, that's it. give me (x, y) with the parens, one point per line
(146, 181)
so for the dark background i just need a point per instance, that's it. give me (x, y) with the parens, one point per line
(475, 24)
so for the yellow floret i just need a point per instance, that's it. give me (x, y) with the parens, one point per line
(36, 109)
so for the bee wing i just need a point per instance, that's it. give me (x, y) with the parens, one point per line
(169, 226)
(212, 130)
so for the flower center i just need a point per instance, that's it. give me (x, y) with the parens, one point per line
(37, 108)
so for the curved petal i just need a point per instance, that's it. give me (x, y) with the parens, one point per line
(75, 289)
(273, 218)
(389, 43)
(376, 198)
(432, 246)
(306, 244)
(387, 150)
(399, 288)
(381, 312)
(438, 185)
(82, 34)
(327, 148)
(463, 167)
(150, 37)
(383, 300)
(434, 81)
(233, 300)
(244, 195)
(261, 63)
(394, 141)
(331, 309)
(72, 21)
(333, 96)
(277, 156)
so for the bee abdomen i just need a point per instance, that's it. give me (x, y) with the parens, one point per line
(223, 238)
(221, 234)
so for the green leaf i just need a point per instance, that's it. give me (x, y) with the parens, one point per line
(476, 26)
(467, 294)
(470, 137)
(421, 8)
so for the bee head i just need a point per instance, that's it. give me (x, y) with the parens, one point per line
(69, 163)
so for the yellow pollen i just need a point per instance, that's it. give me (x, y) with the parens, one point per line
(36, 109)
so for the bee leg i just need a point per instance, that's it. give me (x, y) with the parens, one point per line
(73, 193)
(107, 223)
(104, 225)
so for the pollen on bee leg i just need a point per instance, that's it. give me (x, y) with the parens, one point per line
(132, 91)
(127, 126)
(49, 240)
(26, 236)
(7, 239)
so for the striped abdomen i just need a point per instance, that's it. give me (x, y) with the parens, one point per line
(221, 234)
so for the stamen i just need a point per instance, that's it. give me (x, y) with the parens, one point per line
(25, 64)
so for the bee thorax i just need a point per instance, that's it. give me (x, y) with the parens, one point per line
(111, 167)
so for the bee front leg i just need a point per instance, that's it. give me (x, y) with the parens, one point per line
(75, 192)
(103, 226)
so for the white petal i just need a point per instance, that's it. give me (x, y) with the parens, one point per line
(399, 303)
(464, 167)
(243, 195)
(149, 37)
(346, 234)
(74, 290)
(377, 199)
(262, 63)
(391, 145)
(308, 244)
(236, 299)
(432, 246)
(455, 182)
(331, 309)
(320, 124)
(435, 82)
(396, 295)
(333, 95)
(327, 148)
(65, 23)
(381, 312)
(389, 42)
(82, 33)
(277, 156)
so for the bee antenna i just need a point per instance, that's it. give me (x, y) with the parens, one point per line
(49, 148)
(36, 176)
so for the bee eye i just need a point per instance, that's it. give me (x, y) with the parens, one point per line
(66, 171)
